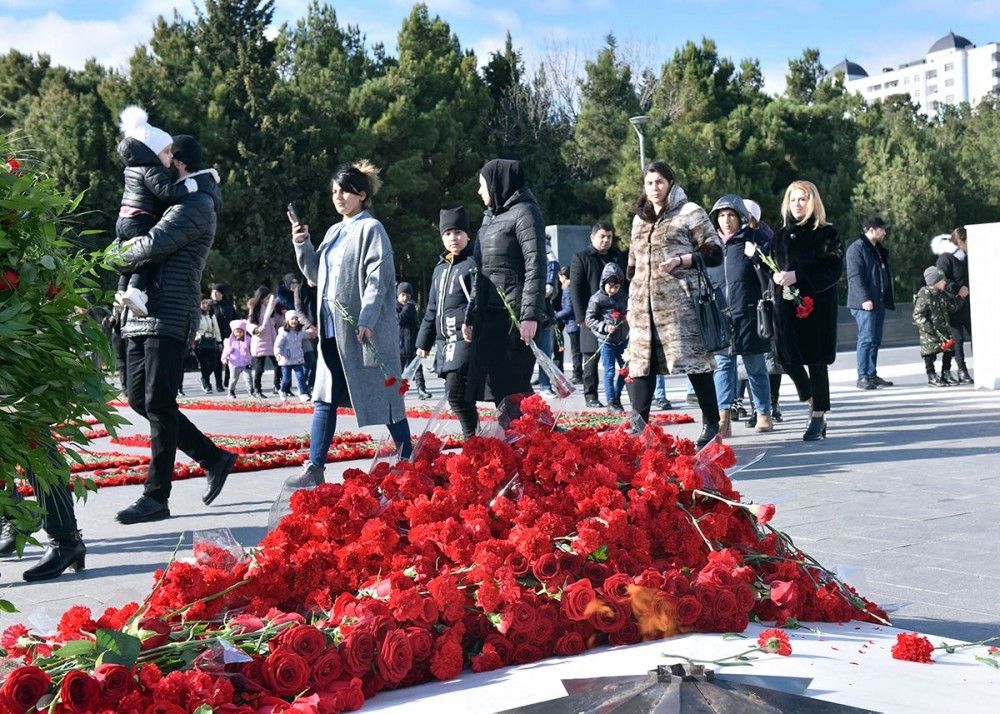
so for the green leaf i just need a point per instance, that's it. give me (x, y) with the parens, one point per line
(600, 555)
(7, 606)
(76, 648)
(204, 709)
(733, 635)
(117, 647)
(47, 262)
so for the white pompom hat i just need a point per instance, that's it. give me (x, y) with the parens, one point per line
(135, 124)
(753, 207)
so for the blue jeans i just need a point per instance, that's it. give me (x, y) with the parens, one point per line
(661, 387)
(869, 338)
(300, 377)
(612, 357)
(725, 381)
(324, 422)
(544, 341)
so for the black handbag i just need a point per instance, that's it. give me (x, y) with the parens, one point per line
(710, 307)
(207, 343)
(765, 318)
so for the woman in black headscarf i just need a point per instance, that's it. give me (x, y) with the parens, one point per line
(510, 255)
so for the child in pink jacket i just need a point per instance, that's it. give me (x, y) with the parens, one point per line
(236, 356)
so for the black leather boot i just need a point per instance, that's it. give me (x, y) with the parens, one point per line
(60, 554)
(963, 376)
(8, 537)
(816, 429)
(708, 432)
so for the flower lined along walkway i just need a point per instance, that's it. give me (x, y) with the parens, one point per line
(504, 552)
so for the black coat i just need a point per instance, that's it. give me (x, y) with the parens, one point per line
(406, 316)
(585, 279)
(175, 250)
(956, 276)
(510, 255)
(817, 257)
(447, 307)
(225, 312)
(868, 275)
(148, 184)
(744, 281)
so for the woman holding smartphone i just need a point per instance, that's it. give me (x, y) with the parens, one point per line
(355, 281)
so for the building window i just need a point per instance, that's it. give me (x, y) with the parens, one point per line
(931, 89)
(875, 88)
(916, 94)
(949, 82)
(931, 73)
(949, 98)
(906, 80)
(890, 85)
(949, 67)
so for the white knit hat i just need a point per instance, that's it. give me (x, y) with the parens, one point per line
(753, 207)
(135, 124)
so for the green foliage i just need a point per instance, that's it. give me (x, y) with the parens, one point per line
(51, 346)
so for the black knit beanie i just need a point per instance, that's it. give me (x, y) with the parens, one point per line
(187, 149)
(455, 218)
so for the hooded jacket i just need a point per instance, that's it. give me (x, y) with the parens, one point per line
(235, 352)
(451, 289)
(601, 309)
(175, 250)
(743, 280)
(148, 184)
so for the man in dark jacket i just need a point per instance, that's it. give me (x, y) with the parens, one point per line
(585, 280)
(175, 251)
(225, 312)
(869, 295)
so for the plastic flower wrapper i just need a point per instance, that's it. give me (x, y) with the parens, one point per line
(217, 548)
(438, 424)
(562, 386)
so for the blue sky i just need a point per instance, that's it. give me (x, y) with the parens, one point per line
(874, 34)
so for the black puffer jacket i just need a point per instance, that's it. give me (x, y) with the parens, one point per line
(148, 185)
(510, 255)
(451, 288)
(175, 250)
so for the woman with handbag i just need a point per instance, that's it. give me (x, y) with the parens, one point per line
(809, 256)
(671, 237)
(207, 344)
(742, 279)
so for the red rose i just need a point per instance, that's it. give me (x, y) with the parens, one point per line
(285, 672)
(115, 680)
(305, 641)
(9, 280)
(80, 692)
(629, 634)
(518, 564)
(252, 670)
(327, 668)
(775, 642)
(546, 569)
(912, 648)
(23, 688)
(569, 643)
(578, 599)
(784, 594)
(246, 623)
(525, 616)
(358, 652)
(688, 610)
(347, 695)
(726, 605)
(53, 289)
(153, 633)
(395, 657)
(608, 617)
(421, 643)
(526, 653)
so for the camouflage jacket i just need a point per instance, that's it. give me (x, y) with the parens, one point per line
(930, 314)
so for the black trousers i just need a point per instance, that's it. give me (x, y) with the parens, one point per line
(640, 394)
(574, 345)
(153, 377)
(258, 371)
(500, 359)
(813, 384)
(589, 367)
(456, 387)
(210, 364)
(58, 514)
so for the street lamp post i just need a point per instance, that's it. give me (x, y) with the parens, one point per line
(637, 122)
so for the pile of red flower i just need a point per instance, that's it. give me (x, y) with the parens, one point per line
(546, 543)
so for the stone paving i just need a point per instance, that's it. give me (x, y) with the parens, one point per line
(903, 496)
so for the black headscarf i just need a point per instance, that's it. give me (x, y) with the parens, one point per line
(504, 178)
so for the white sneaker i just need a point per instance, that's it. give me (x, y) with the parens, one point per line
(118, 299)
(303, 397)
(135, 300)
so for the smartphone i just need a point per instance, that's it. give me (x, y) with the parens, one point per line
(293, 213)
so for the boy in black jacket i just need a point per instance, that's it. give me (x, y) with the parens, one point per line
(406, 316)
(606, 319)
(447, 306)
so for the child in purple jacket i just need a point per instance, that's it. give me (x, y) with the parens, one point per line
(236, 356)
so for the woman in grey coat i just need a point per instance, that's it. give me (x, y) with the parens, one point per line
(358, 335)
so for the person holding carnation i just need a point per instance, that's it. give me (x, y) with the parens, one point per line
(606, 319)
(932, 309)
(809, 255)
(355, 278)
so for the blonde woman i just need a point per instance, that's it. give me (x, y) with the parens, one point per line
(810, 259)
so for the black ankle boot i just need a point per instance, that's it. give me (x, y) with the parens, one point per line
(751, 421)
(963, 376)
(708, 433)
(816, 429)
(60, 554)
(8, 537)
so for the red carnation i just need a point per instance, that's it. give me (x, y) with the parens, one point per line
(389, 381)
(775, 642)
(765, 512)
(948, 345)
(912, 648)
(13, 165)
(805, 309)
(615, 315)
(404, 386)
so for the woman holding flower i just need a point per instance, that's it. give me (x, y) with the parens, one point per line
(358, 334)
(809, 257)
